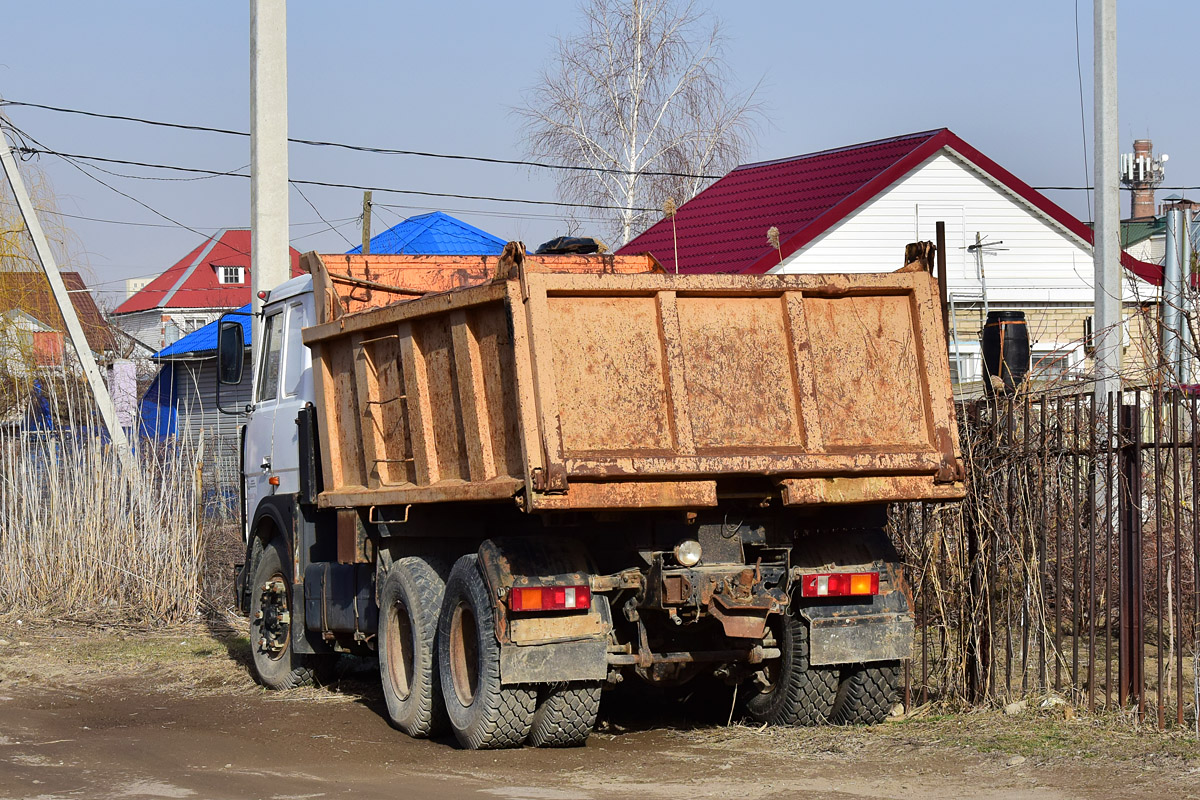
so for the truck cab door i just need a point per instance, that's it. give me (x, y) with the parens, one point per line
(295, 389)
(260, 428)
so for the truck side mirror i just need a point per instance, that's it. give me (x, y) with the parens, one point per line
(231, 351)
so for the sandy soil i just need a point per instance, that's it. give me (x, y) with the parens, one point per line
(110, 714)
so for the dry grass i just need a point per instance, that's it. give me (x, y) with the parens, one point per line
(80, 539)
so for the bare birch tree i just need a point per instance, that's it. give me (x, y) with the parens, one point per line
(642, 96)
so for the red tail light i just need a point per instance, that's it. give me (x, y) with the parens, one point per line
(550, 598)
(840, 584)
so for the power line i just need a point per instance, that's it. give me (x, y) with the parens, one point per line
(234, 171)
(342, 223)
(1122, 188)
(485, 213)
(363, 148)
(333, 185)
(43, 150)
(1082, 116)
(131, 223)
(114, 189)
(318, 213)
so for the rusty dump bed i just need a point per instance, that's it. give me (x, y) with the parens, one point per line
(598, 382)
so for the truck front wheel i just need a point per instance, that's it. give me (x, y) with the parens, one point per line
(408, 606)
(867, 694)
(796, 693)
(483, 714)
(276, 664)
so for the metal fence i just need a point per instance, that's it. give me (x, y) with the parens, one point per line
(1071, 566)
(221, 481)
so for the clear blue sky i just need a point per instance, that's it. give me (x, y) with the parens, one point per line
(442, 76)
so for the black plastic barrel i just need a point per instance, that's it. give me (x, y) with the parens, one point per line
(1005, 352)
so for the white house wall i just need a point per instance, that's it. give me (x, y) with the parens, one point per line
(1037, 262)
(150, 328)
(1151, 250)
(145, 326)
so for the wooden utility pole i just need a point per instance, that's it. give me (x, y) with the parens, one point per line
(366, 228)
(108, 411)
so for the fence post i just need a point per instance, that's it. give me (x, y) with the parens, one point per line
(1130, 679)
(979, 633)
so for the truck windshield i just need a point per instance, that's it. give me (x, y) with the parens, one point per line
(268, 376)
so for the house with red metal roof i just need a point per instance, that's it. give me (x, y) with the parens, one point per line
(853, 209)
(211, 279)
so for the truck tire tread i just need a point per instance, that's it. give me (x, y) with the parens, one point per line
(498, 716)
(292, 670)
(418, 584)
(867, 694)
(805, 695)
(565, 714)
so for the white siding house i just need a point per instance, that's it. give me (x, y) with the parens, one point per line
(854, 209)
(1034, 259)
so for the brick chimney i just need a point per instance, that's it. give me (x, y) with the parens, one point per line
(1142, 206)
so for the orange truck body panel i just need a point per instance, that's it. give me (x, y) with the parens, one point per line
(600, 382)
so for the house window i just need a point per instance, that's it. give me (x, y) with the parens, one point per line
(966, 363)
(1051, 362)
(231, 274)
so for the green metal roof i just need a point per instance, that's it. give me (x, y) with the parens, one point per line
(1136, 231)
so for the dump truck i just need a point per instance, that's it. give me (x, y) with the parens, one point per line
(518, 481)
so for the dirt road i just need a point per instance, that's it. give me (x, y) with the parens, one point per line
(104, 716)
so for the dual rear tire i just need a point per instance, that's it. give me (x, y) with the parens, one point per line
(799, 693)
(867, 694)
(484, 714)
(409, 602)
(440, 664)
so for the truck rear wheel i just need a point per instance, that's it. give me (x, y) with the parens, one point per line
(409, 604)
(797, 693)
(867, 694)
(276, 664)
(483, 714)
(565, 715)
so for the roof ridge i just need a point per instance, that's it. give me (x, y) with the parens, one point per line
(471, 228)
(213, 241)
(925, 135)
(425, 225)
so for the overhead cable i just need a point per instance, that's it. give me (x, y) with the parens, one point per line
(364, 148)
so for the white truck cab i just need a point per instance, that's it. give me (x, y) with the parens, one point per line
(283, 384)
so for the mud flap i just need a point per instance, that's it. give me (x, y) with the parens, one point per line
(552, 663)
(859, 639)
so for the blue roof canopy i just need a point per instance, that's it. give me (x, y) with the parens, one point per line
(202, 341)
(435, 234)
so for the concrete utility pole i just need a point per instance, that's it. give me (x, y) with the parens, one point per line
(270, 261)
(108, 411)
(1107, 250)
